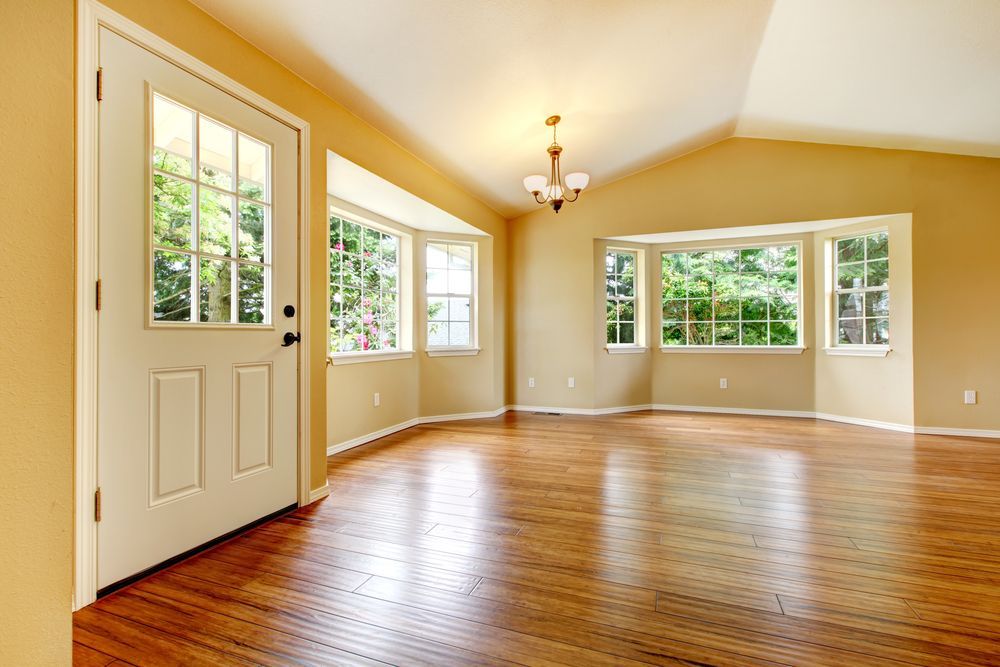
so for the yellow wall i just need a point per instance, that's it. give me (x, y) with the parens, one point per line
(36, 331)
(740, 182)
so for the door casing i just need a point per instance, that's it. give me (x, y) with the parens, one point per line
(91, 16)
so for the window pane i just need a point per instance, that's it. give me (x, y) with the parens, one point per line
(877, 273)
(251, 241)
(753, 284)
(371, 276)
(215, 222)
(352, 237)
(784, 281)
(171, 286)
(371, 243)
(754, 308)
(877, 304)
(783, 258)
(877, 331)
(609, 262)
(700, 263)
(253, 168)
(458, 333)
(350, 270)
(612, 333)
(437, 333)
(390, 248)
(437, 281)
(626, 286)
(389, 276)
(215, 153)
(251, 295)
(851, 332)
(336, 237)
(459, 282)
(625, 263)
(851, 250)
(437, 309)
(700, 286)
(850, 305)
(727, 333)
(437, 256)
(390, 335)
(700, 333)
(458, 310)
(878, 245)
(784, 333)
(173, 128)
(754, 333)
(626, 311)
(700, 310)
(850, 276)
(675, 310)
(216, 290)
(727, 309)
(727, 285)
(172, 211)
(753, 259)
(626, 334)
(460, 257)
(784, 306)
(726, 260)
(674, 333)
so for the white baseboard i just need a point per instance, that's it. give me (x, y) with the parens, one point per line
(321, 492)
(579, 411)
(962, 432)
(870, 423)
(409, 423)
(736, 411)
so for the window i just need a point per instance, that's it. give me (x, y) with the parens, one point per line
(364, 288)
(211, 226)
(861, 269)
(450, 294)
(620, 272)
(731, 297)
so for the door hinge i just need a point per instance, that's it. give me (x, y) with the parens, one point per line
(97, 295)
(100, 84)
(97, 505)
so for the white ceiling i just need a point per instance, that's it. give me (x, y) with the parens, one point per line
(467, 84)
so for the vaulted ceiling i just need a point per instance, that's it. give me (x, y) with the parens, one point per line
(467, 84)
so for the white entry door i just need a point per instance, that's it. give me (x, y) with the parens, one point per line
(197, 396)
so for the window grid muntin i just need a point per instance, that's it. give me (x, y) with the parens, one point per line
(446, 246)
(194, 253)
(689, 325)
(611, 274)
(338, 286)
(864, 291)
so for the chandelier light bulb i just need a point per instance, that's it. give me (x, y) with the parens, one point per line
(552, 190)
(535, 183)
(577, 181)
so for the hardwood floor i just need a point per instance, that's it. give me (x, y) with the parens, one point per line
(640, 538)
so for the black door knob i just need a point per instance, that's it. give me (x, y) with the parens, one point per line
(289, 310)
(291, 339)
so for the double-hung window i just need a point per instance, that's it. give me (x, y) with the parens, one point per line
(620, 280)
(450, 295)
(726, 297)
(861, 272)
(364, 287)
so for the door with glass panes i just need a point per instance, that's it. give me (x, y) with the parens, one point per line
(197, 400)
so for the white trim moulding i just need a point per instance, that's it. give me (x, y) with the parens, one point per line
(345, 358)
(452, 352)
(626, 349)
(731, 349)
(878, 351)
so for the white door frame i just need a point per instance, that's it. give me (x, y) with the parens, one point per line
(91, 16)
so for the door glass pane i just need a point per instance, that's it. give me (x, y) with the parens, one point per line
(171, 286)
(215, 222)
(253, 168)
(216, 290)
(173, 129)
(215, 153)
(251, 296)
(172, 211)
(251, 241)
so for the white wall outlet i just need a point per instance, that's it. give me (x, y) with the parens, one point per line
(571, 382)
(531, 383)
(723, 383)
(377, 400)
(970, 397)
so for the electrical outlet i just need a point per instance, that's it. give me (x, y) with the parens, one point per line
(970, 397)
(723, 383)
(571, 382)
(377, 400)
(531, 383)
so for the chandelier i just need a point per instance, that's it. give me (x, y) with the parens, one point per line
(552, 191)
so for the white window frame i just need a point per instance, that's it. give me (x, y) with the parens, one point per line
(798, 348)
(404, 346)
(856, 349)
(455, 350)
(638, 343)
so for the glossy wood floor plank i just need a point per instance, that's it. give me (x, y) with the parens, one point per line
(640, 538)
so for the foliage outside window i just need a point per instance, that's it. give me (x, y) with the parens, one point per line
(862, 292)
(211, 220)
(364, 288)
(620, 270)
(449, 294)
(731, 297)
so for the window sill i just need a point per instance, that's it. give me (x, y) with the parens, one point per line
(452, 351)
(344, 358)
(866, 351)
(626, 349)
(732, 349)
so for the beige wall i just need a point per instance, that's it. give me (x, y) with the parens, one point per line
(875, 388)
(36, 331)
(954, 201)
